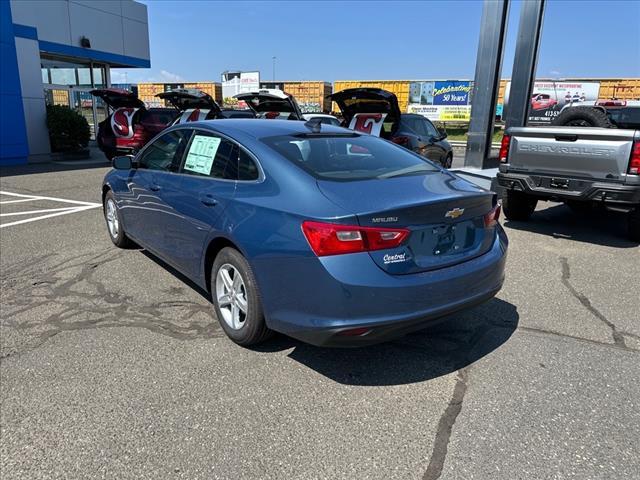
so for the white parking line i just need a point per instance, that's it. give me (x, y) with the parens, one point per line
(53, 212)
(53, 199)
(18, 201)
(38, 211)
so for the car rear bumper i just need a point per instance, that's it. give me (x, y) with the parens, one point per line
(611, 194)
(329, 296)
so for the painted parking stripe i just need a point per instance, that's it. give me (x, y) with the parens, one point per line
(45, 210)
(78, 206)
(53, 199)
(17, 201)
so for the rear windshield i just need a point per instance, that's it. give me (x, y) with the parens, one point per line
(349, 157)
(627, 117)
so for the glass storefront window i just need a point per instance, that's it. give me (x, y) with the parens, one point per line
(98, 77)
(69, 83)
(84, 76)
(63, 76)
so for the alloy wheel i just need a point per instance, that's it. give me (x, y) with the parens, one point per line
(112, 218)
(231, 295)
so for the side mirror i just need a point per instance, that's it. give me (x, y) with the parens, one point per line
(124, 162)
(443, 133)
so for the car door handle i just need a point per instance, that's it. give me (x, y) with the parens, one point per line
(154, 187)
(208, 200)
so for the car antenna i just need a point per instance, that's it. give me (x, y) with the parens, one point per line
(314, 125)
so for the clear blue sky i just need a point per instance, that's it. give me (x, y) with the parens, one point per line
(197, 40)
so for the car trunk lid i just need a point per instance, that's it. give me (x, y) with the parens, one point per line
(366, 109)
(271, 101)
(118, 98)
(444, 214)
(186, 98)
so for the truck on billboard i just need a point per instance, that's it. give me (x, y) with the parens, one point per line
(441, 101)
(549, 97)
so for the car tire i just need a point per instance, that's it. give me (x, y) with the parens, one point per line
(113, 217)
(580, 208)
(518, 206)
(246, 327)
(633, 223)
(448, 161)
(582, 117)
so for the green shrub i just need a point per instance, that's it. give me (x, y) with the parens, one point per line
(68, 130)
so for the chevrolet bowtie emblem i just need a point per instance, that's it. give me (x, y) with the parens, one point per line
(455, 213)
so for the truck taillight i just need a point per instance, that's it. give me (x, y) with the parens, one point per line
(334, 239)
(504, 149)
(634, 161)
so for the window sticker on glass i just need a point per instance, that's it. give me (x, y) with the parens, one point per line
(201, 154)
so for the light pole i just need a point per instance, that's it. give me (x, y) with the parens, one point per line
(274, 69)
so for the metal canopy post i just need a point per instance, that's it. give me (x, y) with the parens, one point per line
(493, 29)
(525, 62)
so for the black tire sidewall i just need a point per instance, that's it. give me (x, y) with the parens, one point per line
(254, 329)
(518, 206)
(633, 223)
(594, 116)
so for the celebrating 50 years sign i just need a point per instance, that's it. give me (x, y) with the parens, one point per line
(442, 101)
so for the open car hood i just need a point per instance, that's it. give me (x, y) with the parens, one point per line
(188, 98)
(271, 100)
(118, 98)
(353, 101)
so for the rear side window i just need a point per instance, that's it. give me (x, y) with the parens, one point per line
(430, 128)
(348, 157)
(211, 156)
(165, 153)
(247, 168)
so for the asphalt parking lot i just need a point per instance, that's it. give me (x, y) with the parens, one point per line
(114, 366)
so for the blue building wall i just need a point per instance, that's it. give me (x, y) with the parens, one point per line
(14, 148)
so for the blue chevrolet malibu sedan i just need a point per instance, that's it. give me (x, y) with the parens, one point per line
(321, 233)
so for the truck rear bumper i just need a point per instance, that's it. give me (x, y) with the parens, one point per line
(612, 195)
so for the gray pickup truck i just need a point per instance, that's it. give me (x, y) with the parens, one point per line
(580, 166)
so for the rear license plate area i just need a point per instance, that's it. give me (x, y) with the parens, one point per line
(561, 183)
(452, 238)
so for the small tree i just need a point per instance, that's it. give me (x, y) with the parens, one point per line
(68, 130)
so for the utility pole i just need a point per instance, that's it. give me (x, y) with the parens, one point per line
(273, 78)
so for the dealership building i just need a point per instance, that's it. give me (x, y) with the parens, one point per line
(56, 52)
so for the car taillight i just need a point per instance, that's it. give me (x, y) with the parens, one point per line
(504, 149)
(404, 141)
(334, 239)
(634, 161)
(491, 218)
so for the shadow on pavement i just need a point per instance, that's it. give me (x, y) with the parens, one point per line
(183, 278)
(599, 227)
(456, 342)
(51, 167)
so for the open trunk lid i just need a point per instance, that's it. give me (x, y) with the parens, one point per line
(118, 98)
(366, 109)
(272, 103)
(187, 98)
(444, 214)
(577, 152)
